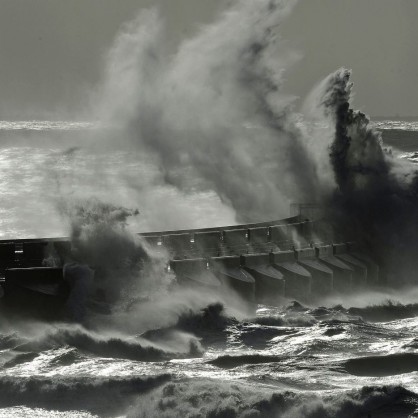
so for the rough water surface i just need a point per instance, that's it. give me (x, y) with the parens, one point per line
(294, 361)
(206, 138)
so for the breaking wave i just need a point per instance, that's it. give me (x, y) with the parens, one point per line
(388, 311)
(219, 400)
(103, 396)
(105, 346)
(389, 365)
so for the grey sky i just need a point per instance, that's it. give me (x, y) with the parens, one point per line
(377, 39)
(51, 51)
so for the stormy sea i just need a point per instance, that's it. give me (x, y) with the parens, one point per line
(209, 136)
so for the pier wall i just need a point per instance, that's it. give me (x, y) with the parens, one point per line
(302, 274)
(264, 262)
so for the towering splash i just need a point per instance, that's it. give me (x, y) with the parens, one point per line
(376, 200)
(212, 116)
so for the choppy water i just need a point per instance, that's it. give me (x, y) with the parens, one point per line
(176, 356)
(401, 136)
(293, 361)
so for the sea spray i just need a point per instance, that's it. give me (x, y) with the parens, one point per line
(131, 277)
(212, 115)
(100, 243)
(224, 399)
(376, 197)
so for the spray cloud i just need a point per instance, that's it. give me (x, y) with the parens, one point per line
(375, 201)
(212, 115)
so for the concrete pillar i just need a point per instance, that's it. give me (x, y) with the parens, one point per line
(80, 279)
(343, 274)
(194, 273)
(322, 276)
(372, 266)
(231, 274)
(358, 267)
(269, 282)
(297, 278)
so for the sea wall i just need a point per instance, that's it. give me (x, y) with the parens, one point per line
(264, 262)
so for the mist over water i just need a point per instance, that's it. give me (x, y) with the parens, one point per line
(204, 136)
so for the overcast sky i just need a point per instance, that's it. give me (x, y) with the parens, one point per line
(51, 51)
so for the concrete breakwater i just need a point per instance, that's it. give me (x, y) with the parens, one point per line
(263, 262)
(269, 278)
(293, 258)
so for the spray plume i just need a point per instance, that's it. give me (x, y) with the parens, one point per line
(212, 115)
(376, 199)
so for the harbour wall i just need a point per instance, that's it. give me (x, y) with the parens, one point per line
(303, 274)
(264, 262)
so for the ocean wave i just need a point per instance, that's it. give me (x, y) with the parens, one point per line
(378, 366)
(230, 362)
(413, 344)
(387, 311)
(103, 396)
(259, 336)
(282, 321)
(20, 359)
(298, 315)
(286, 319)
(217, 399)
(212, 317)
(9, 341)
(66, 358)
(109, 346)
(209, 324)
